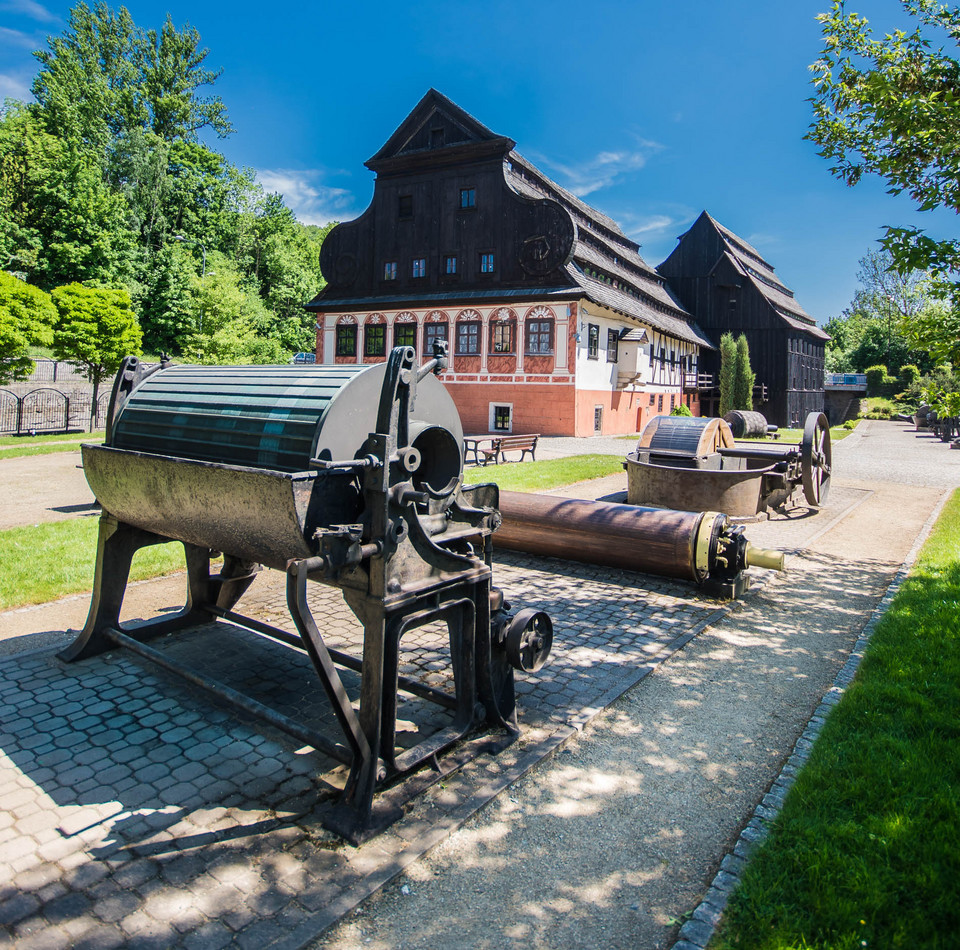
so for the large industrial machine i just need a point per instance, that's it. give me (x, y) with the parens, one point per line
(695, 464)
(351, 476)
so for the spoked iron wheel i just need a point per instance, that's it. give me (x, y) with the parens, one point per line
(816, 459)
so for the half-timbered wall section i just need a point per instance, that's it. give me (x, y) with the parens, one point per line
(729, 287)
(554, 321)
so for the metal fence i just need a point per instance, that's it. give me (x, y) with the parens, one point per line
(54, 371)
(49, 410)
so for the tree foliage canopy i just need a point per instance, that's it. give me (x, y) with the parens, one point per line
(105, 181)
(27, 317)
(891, 107)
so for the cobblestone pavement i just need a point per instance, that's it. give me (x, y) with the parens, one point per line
(138, 813)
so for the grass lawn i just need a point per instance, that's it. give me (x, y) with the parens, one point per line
(39, 563)
(866, 852)
(17, 446)
(545, 474)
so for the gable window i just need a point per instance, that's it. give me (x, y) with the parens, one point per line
(436, 137)
(431, 332)
(613, 346)
(419, 267)
(405, 206)
(347, 339)
(405, 334)
(593, 341)
(468, 197)
(390, 270)
(374, 339)
(450, 265)
(486, 263)
(501, 336)
(540, 336)
(468, 337)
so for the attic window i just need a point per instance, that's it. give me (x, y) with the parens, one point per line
(468, 197)
(436, 137)
(405, 206)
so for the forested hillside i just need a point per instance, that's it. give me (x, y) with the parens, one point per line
(109, 179)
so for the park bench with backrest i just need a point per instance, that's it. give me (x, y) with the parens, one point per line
(510, 443)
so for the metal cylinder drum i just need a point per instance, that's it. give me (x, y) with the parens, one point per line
(745, 424)
(690, 435)
(651, 540)
(220, 456)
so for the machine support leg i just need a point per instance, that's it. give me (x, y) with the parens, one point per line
(117, 543)
(323, 662)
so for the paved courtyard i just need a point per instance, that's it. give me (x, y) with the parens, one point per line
(137, 812)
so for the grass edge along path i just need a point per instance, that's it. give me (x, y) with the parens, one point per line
(44, 562)
(40, 563)
(866, 850)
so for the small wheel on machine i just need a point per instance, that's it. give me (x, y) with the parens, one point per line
(816, 459)
(529, 638)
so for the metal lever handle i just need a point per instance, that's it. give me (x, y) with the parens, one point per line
(350, 465)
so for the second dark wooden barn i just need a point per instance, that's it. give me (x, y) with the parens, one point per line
(728, 287)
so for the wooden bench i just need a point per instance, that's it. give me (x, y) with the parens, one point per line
(511, 443)
(471, 447)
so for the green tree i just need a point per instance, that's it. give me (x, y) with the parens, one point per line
(96, 329)
(64, 222)
(27, 316)
(105, 77)
(876, 327)
(744, 376)
(233, 326)
(891, 107)
(728, 372)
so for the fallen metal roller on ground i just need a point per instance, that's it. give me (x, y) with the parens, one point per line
(346, 475)
(693, 545)
(694, 464)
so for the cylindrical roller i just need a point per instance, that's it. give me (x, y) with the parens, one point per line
(690, 435)
(220, 456)
(671, 543)
(693, 545)
(746, 424)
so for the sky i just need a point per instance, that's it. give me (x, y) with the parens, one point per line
(649, 111)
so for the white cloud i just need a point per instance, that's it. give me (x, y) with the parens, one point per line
(30, 8)
(21, 40)
(13, 87)
(761, 238)
(655, 224)
(311, 201)
(601, 171)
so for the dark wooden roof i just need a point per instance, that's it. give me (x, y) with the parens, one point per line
(607, 264)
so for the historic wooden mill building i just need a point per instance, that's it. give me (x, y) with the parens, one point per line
(727, 286)
(554, 321)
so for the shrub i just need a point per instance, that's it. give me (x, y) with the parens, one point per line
(681, 410)
(878, 407)
(909, 374)
(879, 381)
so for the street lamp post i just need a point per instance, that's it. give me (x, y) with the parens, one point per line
(183, 239)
